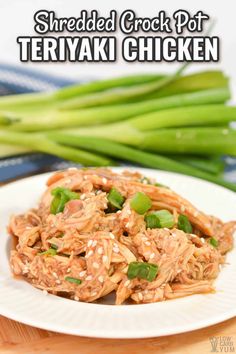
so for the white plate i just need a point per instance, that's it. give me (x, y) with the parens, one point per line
(20, 301)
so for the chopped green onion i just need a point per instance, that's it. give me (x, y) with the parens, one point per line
(145, 180)
(184, 224)
(140, 203)
(160, 219)
(73, 280)
(50, 252)
(213, 242)
(61, 197)
(142, 270)
(115, 198)
(160, 185)
(152, 221)
(55, 247)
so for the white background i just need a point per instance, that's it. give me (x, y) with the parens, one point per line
(16, 19)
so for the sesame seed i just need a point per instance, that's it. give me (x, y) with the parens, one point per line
(82, 197)
(95, 265)
(76, 298)
(45, 292)
(129, 212)
(203, 240)
(116, 249)
(101, 279)
(55, 275)
(100, 250)
(94, 243)
(118, 212)
(166, 229)
(140, 296)
(104, 180)
(94, 293)
(68, 270)
(182, 208)
(112, 236)
(127, 225)
(104, 259)
(81, 274)
(127, 283)
(152, 255)
(89, 254)
(90, 242)
(147, 243)
(89, 277)
(58, 281)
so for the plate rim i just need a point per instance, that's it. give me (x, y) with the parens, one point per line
(123, 335)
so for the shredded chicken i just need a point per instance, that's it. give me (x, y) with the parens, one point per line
(85, 250)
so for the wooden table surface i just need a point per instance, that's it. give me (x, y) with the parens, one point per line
(17, 338)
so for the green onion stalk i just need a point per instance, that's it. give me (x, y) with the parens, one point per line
(198, 140)
(147, 159)
(118, 90)
(31, 101)
(83, 150)
(211, 164)
(146, 110)
(4, 120)
(194, 82)
(41, 143)
(7, 150)
(102, 85)
(147, 131)
(139, 92)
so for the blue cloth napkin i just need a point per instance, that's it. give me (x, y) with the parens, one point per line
(17, 80)
(14, 80)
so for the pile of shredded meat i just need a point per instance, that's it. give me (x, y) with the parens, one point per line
(84, 251)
